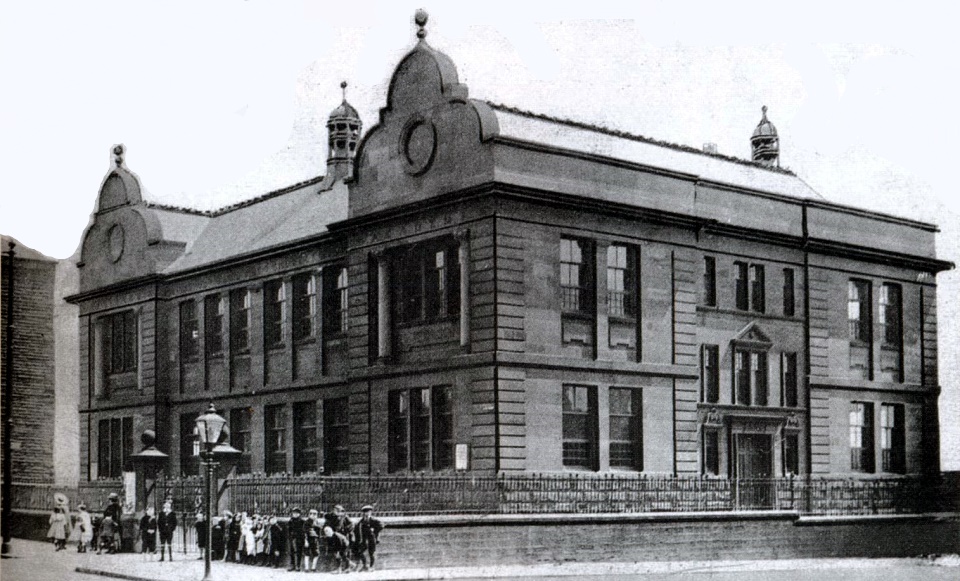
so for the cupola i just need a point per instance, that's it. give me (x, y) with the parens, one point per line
(343, 128)
(765, 143)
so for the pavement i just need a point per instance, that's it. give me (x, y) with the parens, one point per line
(36, 561)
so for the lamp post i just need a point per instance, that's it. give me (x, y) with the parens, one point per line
(209, 431)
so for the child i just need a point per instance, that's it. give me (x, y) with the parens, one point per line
(108, 529)
(58, 529)
(278, 542)
(313, 528)
(86, 528)
(338, 547)
(148, 532)
(366, 537)
(166, 524)
(200, 525)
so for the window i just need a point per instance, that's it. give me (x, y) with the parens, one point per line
(189, 332)
(576, 282)
(709, 281)
(757, 289)
(580, 427)
(740, 284)
(115, 446)
(429, 281)
(750, 378)
(122, 342)
(213, 311)
(892, 440)
(336, 436)
(421, 429)
(240, 320)
(861, 328)
(710, 373)
(305, 449)
(189, 445)
(858, 311)
(622, 281)
(240, 437)
(274, 315)
(791, 454)
(304, 306)
(891, 331)
(750, 287)
(861, 437)
(789, 299)
(336, 315)
(711, 452)
(789, 379)
(626, 435)
(275, 438)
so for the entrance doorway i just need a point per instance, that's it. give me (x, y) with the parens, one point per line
(753, 465)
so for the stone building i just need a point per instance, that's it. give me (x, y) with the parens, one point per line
(475, 287)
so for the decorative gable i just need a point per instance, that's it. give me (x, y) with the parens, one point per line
(752, 337)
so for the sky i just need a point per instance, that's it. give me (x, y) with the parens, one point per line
(218, 101)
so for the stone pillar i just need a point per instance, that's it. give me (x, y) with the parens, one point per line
(384, 323)
(463, 237)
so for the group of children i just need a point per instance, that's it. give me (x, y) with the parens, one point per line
(332, 542)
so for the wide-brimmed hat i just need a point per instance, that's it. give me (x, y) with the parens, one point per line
(366, 508)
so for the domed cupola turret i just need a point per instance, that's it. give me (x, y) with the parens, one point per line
(343, 127)
(765, 143)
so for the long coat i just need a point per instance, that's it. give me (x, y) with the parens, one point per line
(58, 526)
(166, 523)
(367, 533)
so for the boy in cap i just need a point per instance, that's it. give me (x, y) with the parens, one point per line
(295, 534)
(148, 532)
(166, 524)
(366, 536)
(313, 527)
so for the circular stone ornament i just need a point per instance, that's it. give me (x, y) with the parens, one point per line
(418, 145)
(115, 239)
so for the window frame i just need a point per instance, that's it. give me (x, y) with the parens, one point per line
(336, 435)
(710, 373)
(623, 303)
(789, 293)
(583, 290)
(214, 311)
(420, 429)
(709, 281)
(189, 347)
(893, 442)
(789, 379)
(275, 439)
(306, 446)
(335, 301)
(750, 378)
(861, 432)
(634, 420)
(860, 328)
(427, 276)
(790, 453)
(588, 437)
(189, 445)
(241, 312)
(304, 306)
(122, 328)
(750, 288)
(114, 446)
(710, 451)
(241, 420)
(274, 314)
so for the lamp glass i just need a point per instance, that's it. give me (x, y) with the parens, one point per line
(209, 426)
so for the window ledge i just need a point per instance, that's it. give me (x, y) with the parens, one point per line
(752, 314)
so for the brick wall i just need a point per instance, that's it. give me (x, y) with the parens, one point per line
(33, 367)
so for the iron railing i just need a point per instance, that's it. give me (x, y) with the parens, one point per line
(524, 494)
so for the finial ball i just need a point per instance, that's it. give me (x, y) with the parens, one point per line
(420, 17)
(118, 150)
(764, 109)
(343, 85)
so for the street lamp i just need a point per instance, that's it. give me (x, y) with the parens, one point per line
(210, 430)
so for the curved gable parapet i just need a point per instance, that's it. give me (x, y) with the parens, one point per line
(121, 187)
(431, 138)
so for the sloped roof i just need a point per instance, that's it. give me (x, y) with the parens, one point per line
(22, 252)
(266, 222)
(561, 133)
(178, 225)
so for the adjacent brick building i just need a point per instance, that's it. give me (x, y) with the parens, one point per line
(474, 287)
(31, 338)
